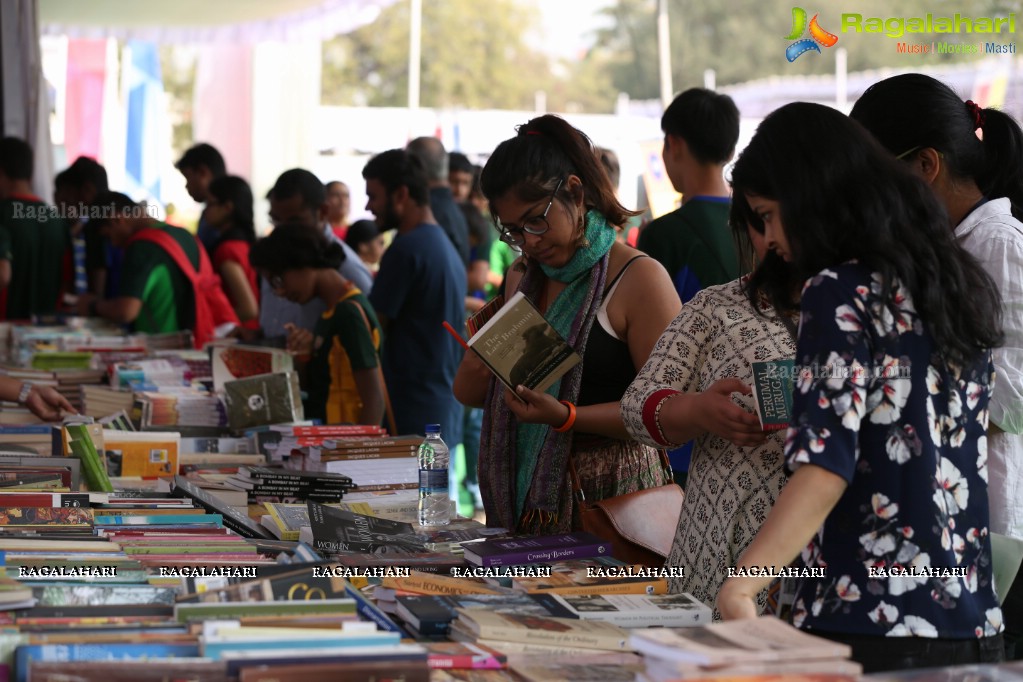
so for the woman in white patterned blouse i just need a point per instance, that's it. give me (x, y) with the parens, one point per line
(685, 391)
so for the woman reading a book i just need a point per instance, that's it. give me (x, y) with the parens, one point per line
(343, 376)
(685, 392)
(888, 443)
(552, 199)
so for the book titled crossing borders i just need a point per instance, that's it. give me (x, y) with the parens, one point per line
(522, 348)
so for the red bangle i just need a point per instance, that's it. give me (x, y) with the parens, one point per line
(570, 422)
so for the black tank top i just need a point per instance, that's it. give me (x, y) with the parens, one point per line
(607, 364)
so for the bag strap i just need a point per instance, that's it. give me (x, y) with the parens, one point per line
(388, 410)
(577, 489)
(173, 249)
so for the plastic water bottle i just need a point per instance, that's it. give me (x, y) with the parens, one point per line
(434, 505)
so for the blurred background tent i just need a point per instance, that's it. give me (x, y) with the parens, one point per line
(258, 74)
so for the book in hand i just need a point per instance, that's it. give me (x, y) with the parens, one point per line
(773, 382)
(760, 640)
(630, 610)
(535, 549)
(522, 348)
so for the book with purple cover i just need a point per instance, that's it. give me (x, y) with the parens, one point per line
(534, 550)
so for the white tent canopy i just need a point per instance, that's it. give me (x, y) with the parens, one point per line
(206, 21)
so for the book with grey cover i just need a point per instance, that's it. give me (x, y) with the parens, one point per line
(263, 399)
(522, 348)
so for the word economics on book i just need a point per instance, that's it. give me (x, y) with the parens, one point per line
(361, 571)
(502, 572)
(777, 572)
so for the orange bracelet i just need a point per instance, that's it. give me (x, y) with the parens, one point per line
(570, 422)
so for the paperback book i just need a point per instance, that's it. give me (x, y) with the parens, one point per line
(535, 549)
(336, 530)
(764, 639)
(773, 383)
(521, 347)
(630, 610)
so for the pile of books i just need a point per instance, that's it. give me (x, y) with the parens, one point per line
(372, 459)
(272, 484)
(763, 646)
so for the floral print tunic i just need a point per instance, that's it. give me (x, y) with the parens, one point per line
(906, 549)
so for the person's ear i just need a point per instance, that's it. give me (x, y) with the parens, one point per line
(927, 162)
(574, 185)
(400, 197)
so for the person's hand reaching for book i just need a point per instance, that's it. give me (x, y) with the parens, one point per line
(48, 404)
(734, 601)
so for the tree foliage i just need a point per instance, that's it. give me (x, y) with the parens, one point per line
(474, 55)
(745, 39)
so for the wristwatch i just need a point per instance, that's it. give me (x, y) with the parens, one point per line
(26, 389)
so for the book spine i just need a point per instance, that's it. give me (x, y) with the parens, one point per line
(368, 611)
(464, 662)
(583, 640)
(539, 554)
(356, 454)
(96, 475)
(336, 430)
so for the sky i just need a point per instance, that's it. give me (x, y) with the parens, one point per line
(565, 24)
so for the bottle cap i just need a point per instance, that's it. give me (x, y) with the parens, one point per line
(432, 428)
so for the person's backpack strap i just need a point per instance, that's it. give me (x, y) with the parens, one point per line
(205, 284)
(388, 410)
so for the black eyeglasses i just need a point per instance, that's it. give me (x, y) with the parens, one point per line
(537, 225)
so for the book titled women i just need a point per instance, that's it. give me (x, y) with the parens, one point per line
(521, 347)
(535, 549)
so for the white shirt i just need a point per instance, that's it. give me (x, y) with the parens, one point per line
(995, 238)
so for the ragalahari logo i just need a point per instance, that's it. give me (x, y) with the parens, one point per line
(818, 36)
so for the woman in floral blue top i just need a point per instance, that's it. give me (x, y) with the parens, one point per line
(888, 443)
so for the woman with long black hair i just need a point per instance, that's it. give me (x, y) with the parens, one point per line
(887, 448)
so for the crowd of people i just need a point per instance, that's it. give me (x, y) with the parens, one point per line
(882, 252)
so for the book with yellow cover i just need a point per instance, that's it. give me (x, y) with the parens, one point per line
(141, 453)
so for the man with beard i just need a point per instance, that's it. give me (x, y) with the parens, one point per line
(421, 284)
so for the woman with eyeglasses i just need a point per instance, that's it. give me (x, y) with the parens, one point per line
(696, 386)
(887, 447)
(343, 378)
(972, 158)
(552, 199)
(229, 214)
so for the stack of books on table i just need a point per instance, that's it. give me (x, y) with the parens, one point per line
(274, 484)
(762, 646)
(130, 579)
(537, 634)
(372, 459)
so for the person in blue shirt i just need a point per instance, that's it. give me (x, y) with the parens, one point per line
(420, 285)
(888, 440)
